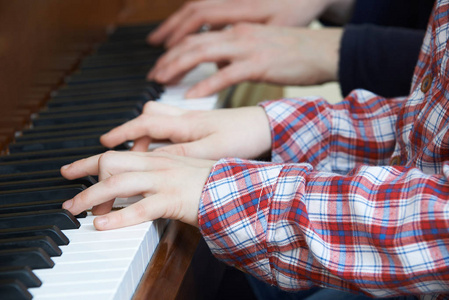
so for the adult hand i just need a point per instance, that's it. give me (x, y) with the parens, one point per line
(280, 55)
(219, 13)
(170, 185)
(240, 132)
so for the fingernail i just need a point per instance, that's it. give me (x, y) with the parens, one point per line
(67, 204)
(65, 167)
(102, 221)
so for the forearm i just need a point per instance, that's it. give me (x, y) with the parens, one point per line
(294, 227)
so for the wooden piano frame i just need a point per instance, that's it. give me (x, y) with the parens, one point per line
(41, 42)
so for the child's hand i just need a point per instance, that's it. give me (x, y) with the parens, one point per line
(242, 132)
(171, 187)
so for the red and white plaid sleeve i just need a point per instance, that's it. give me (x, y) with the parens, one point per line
(381, 231)
(336, 138)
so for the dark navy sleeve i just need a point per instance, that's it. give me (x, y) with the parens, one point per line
(382, 59)
(379, 59)
(397, 13)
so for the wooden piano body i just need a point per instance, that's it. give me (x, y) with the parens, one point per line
(41, 41)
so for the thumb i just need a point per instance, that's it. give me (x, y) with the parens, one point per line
(141, 144)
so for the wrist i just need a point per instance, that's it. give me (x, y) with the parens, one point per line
(333, 55)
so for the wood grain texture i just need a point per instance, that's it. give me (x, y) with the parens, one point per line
(171, 260)
(42, 40)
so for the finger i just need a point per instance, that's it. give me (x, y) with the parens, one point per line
(215, 14)
(226, 77)
(198, 149)
(81, 168)
(141, 144)
(160, 35)
(104, 165)
(156, 108)
(103, 208)
(150, 208)
(216, 51)
(122, 185)
(189, 45)
(130, 131)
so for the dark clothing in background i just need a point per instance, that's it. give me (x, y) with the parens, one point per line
(380, 46)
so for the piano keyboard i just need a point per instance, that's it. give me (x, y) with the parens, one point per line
(45, 252)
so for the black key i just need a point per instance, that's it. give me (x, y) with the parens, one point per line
(106, 100)
(31, 136)
(75, 126)
(124, 31)
(51, 231)
(45, 182)
(127, 46)
(13, 289)
(56, 143)
(127, 59)
(135, 35)
(35, 258)
(35, 165)
(35, 206)
(158, 87)
(31, 206)
(23, 274)
(43, 242)
(112, 114)
(103, 75)
(88, 151)
(131, 56)
(59, 217)
(29, 175)
(41, 194)
(101, 88)
(107, 87)
(73, 108)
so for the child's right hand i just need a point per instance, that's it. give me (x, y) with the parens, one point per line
(240, 132)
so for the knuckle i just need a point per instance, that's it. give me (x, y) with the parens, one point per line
(187, 42)
(194, 7)
(180, 150)
(106, 158)
(243, 28)
(82, 198)
(113, 182)
(149, 106)
(181, 62)
(140, 211)
(202, 50)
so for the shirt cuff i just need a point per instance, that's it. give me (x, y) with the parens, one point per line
(300, 129)
(233, 213)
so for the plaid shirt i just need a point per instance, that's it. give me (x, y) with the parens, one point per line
(356, 195)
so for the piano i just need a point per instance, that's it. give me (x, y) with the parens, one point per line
(45, 252)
